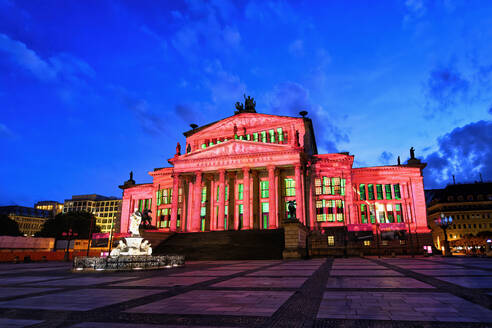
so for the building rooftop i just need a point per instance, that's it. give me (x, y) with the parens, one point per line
(24, 211)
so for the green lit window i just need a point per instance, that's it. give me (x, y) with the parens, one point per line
(248, 137)
(263, 136)
(204, 194)
(240, 191)
(140, 205)
(264, 214)
(335, 186)
(204, 146)
(272, 135)
(370, 191)
(280, 135)
(363, 213)
(396, 189)
(264, 189)
(227, 193)
(387, 189)
(211, 143)
(372, 213)
(203, 211)
(240, 208)
(398, 212)
(158, 197)
(342, 187)
(290, 187)
(379, 191)
(255, 136)
(218, 193)
(327, 186)
(178, 220)
(362, 191)
(241, 137)
(180, 195)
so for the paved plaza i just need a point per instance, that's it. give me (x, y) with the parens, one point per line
(351, 292)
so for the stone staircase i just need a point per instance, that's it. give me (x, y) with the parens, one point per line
(155, 237)
(225, 245)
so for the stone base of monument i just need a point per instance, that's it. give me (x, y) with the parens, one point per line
(127, 263)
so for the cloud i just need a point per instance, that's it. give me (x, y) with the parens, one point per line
(27, 59)
(465, 152)
(291, 98)
(446, 86)
(415, 9)
(203, 30)
(296, 48)
(62, 67)
(224, 86)
(150, 122)
(5, 132)
(386, 157)
(186, 113)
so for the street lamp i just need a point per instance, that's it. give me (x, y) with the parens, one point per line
(445, 222)
(69, 234)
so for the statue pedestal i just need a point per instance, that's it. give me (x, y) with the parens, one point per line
(295, 235)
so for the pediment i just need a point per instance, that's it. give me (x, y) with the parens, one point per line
(253, 122)
(236, 147)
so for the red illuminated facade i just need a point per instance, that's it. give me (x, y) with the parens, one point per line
(240, 172)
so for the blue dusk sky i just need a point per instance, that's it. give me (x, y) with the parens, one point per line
(90, 90)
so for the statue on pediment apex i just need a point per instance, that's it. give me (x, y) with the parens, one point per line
(248, 107)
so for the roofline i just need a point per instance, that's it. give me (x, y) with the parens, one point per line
(189, 133)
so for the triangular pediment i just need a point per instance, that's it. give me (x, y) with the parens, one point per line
(252, 122)
(236, 147)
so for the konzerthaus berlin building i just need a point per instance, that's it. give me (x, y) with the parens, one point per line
(240, 173)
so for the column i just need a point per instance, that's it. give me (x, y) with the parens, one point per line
(195, 216)
(174, 202)
(246, 200)
(272, 215)
(220, 224)
(189, 214)
(299, 202)
(154, 205)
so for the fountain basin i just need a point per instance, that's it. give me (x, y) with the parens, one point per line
(127, 263)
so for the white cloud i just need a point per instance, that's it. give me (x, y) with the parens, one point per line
(62, 66)
(296, 48)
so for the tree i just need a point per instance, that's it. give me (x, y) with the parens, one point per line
(8, 227)
(79, 222)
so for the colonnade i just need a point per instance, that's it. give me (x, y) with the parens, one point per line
(216, 204)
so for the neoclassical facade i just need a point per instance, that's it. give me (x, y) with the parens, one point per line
(241, 172)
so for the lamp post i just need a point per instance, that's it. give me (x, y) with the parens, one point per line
(445, 222)
(90, 235)
(68, 234)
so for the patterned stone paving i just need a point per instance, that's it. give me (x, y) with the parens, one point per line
(351, 292)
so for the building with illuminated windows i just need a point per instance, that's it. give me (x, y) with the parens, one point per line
(470, 206)
(105, 209)
(49, 205)
(241, 172)
(30, 220)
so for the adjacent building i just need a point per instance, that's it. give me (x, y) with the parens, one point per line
(106, 209)
(242, 172)
(470, 206)
(50, 205)
(30, 220)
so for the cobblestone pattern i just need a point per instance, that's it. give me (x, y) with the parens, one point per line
(353, 292)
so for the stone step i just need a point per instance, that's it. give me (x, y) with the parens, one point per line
(225, 245)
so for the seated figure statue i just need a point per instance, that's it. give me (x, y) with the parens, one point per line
(121, 248)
